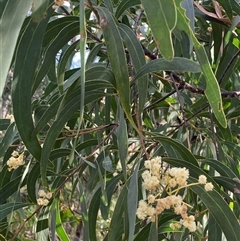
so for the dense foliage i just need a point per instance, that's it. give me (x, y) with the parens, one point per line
(140, 141)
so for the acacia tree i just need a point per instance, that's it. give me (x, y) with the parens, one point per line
(140, 142)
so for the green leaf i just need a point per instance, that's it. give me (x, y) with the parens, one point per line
(162, 17)
(122, 140)
(177, 146)
(115, 2)
(59, 227)
(133, 201)
(59, 152)
(84, 211)
(93, 211)
(62, 64)
(95, 203)
(8, 138)
(9, 189)
(8, 208)
(47, 116)
(12, 16)
(92, 55)
(189, 6)
(144, 233)
(220, 211)
(153, 233)
(107, 165)
(177, 64)
(117, 214)
(42, 224)
(235, 6)
(31, 182)
(55, 26)
(39, 10)
(65, 34)
(124, 5)
(227, 64)
(212, 91)
(214, 231)
(138, 58)
(4, 123)
(220, 167)
(231, 184)
(27, 56)
(117, 59)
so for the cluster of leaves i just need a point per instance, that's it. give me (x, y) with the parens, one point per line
(165, 83)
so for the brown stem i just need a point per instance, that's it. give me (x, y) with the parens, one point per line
(25, 221)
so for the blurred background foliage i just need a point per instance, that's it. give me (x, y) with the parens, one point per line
(91, 89)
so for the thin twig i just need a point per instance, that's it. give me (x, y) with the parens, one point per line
(65, 10)
(160, 100)
(228, 66)
(86, 131)
(90, 5)
(188, 119)
(137, 20)
(181, 108)
(101, 143)
(37, 210)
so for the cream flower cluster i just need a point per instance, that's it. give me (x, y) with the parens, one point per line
(15, 161)
(44, 198)
(208, 186)
(158, 178)
(57, 3)
(10, 117)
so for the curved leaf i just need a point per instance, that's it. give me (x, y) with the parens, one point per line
(177, 64)
(47, 116)
(95, 203)
(162, 17)
(117, 59)
(219, 209)
(124, 5)
(212, 91)
(31, 182)
(175, 145)
(138, 59)
(144, 233)
(220, 167)
(62, 64)
(7, 208)
(92, 56)
(12, 15)
(53, 48)
(4, 123)
(9, 189)
(133, 201)
(231, 184)
(27, 56)
(59, 227)
(115, 225)
(8, 138)
(122, 140)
